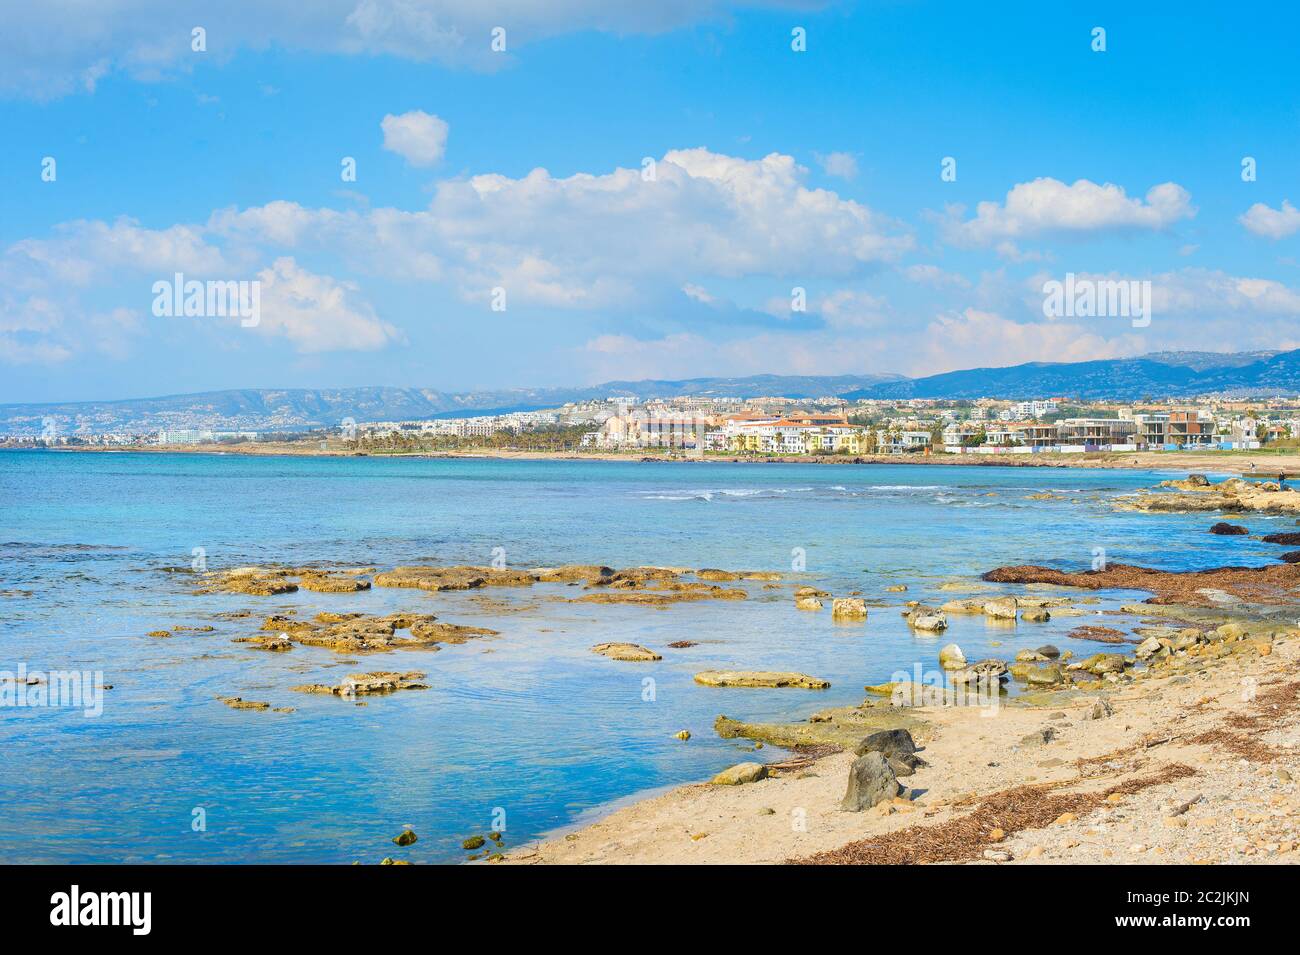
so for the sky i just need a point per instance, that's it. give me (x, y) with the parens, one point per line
(467, 194)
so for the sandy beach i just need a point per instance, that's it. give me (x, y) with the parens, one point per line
(1195, 765)
(1258, 464)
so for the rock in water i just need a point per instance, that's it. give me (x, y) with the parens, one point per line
(930, 621)
(951, 657)
(1035, 615)
(871, 782)
(740, 774)
(1231, 529)
(807, 602)
(760, 678)
(849, 608)
(1001, 608)
(626, 651)
(405, 838)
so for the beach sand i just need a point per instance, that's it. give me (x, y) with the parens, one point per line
(1244, 806)
(1267, 465)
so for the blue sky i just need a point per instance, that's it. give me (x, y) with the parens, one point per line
(522, 171)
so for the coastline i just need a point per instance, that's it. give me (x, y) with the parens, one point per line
(1267, 464)
(1159, 782)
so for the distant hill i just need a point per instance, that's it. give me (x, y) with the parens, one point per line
(1163, 374)
(264, 409)
(1166, 374)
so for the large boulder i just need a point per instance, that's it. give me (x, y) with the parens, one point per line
(1229, 529)
(923, 618)
(951, 657)
(740, 774)
(849, 608)
(1148, 648)
(983, 671)
(871, 782)
(895, 745)
(1001, 608)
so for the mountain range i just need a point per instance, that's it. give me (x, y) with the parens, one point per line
(1157, 375)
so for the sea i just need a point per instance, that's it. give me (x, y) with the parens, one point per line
(529, 732)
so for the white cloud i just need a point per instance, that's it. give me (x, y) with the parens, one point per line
(56, 47)
(419, 138)
(318, 313)
(599, 240)
(840, 165)
(1271, 223)
(1050, 207)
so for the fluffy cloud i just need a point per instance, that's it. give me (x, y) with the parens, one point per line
(1050, 207)
(419, 138)
(57, 47)
(594, 241)
(318, 313)
(1271, 223)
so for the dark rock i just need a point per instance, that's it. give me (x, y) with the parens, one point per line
(871, 782)
(1048, 651)
(1281, 538)
(1291, 557)
(896, 746)
(1225, 528)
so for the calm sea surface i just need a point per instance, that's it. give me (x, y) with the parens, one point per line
(530, 725)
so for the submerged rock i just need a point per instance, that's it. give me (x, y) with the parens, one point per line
(807, 602)
(760, 678)
(1035, 615)
(238, 703)
(366, 684)
(626, 651)
(871, 782)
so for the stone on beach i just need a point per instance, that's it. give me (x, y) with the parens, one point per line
(760, 678)
(626, 651)
(740, 774)
(895, 745)
(871, 782)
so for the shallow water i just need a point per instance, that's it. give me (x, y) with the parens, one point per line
(529, 726)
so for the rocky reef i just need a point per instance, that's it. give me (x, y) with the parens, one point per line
(1198, 493)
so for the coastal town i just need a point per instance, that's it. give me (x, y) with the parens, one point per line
(703, 425)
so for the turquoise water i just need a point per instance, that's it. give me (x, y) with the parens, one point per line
(529, 725)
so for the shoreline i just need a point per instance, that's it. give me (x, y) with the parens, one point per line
(1168, 778)
(1267, 464)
